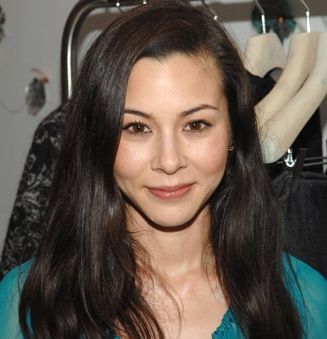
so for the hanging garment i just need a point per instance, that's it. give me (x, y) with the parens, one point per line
(24, 233)
(303, 200)
(310, 136)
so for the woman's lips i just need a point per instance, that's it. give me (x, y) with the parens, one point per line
(170, 192)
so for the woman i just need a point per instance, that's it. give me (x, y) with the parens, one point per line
(162, 222)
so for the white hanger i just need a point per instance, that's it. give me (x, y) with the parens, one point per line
(280, 131)
(300, 61)
(263, 52)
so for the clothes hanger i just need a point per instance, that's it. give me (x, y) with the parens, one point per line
(279, 132)
(300, 61)
(209, 10)
(296, 166)
(263, 52)
(118, 5)
(289, 161)
(315, 161)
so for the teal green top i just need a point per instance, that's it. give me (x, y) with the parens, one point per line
(312, 307)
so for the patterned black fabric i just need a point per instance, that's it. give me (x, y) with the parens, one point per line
(24, 233)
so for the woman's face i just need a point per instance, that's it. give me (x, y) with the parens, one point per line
(174, 144)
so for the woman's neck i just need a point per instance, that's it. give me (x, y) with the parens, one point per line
(182, 284)
(173, 251)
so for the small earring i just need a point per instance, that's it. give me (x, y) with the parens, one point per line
(231, 148)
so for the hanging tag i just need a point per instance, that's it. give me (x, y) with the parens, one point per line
(2, 22)
(35, 93)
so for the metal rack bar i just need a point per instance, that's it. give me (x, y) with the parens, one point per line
(70, 39)
(69, 42)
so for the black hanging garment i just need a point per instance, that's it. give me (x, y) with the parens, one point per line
(24, 233)
(303, 200)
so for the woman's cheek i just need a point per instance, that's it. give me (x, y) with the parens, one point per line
(210, 156)
(131, 160)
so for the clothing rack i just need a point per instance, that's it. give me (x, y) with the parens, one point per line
(70, 38)
(71, 32)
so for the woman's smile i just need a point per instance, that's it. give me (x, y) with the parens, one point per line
(170, 192)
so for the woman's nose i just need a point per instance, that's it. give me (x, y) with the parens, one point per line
(169, 155)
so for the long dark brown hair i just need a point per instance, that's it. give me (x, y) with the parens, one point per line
(85, 281)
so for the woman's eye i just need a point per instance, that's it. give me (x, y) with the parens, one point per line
(136, 128)
(197, 126)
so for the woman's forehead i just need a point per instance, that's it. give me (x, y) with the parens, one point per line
(176, 79)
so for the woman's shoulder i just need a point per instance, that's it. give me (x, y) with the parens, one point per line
(10, 289)
(309, 291)
(13, 281)
(308, 280)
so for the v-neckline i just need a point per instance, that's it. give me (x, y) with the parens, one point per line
(220, 331)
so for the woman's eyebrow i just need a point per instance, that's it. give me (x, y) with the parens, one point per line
(136, 112)
(182, 114)
(197, 108)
